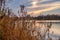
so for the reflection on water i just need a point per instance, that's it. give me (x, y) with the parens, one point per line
(54, 30)
(55, 27)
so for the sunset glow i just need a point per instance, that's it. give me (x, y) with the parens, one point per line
(34, 3)
(29, 19)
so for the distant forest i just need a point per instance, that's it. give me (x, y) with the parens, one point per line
(47, 17)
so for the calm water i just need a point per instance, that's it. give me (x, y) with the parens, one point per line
(55, 26)
(55, 29)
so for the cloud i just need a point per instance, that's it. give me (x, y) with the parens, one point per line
(50, 1)
(39, 7)
(45, 5)
(43, 8)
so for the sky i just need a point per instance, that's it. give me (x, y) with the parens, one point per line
(36, 7)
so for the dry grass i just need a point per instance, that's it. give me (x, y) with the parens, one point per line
(12, 31)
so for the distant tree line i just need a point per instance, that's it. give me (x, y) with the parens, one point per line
(47, 17)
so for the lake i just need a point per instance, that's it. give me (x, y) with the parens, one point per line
(54, 30)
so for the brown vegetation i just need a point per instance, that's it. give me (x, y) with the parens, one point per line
(12, 30)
